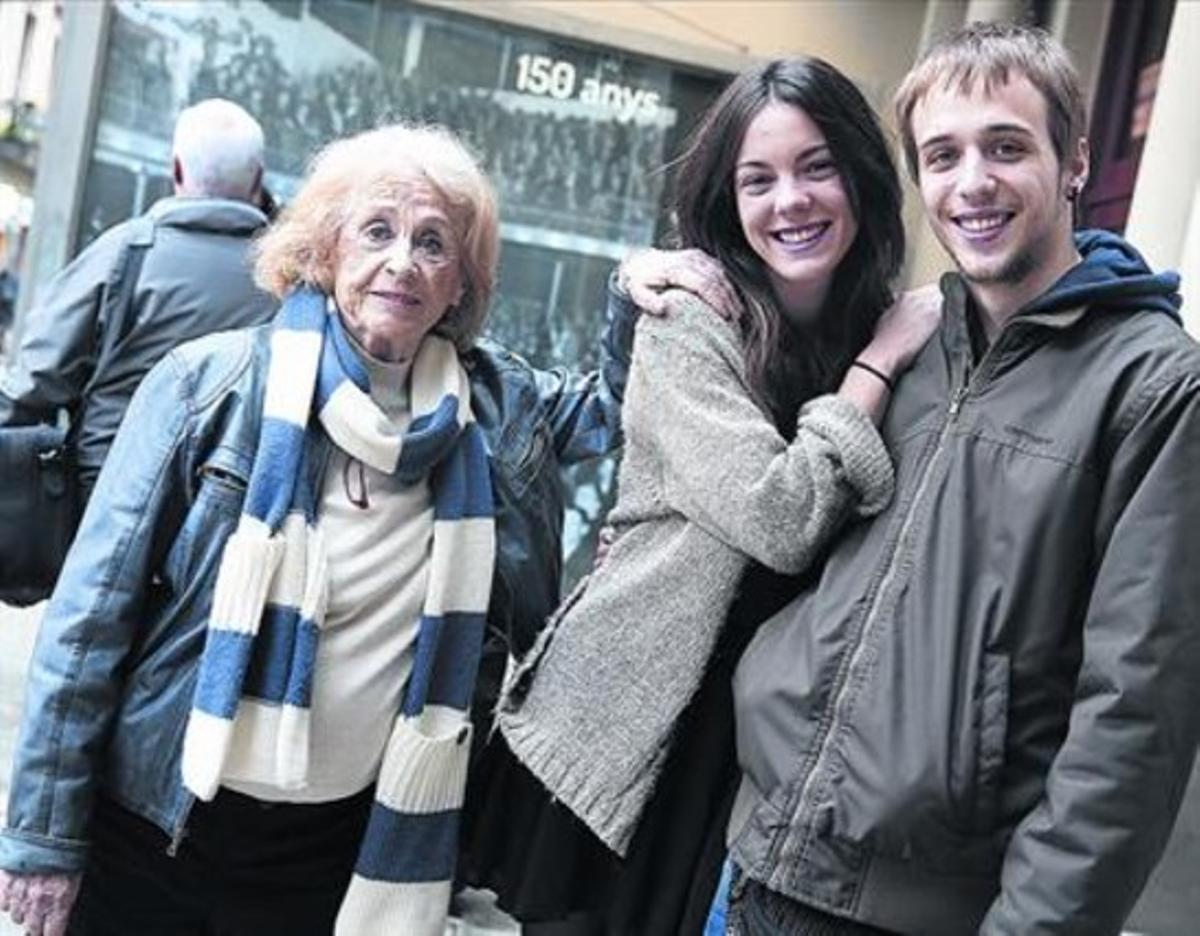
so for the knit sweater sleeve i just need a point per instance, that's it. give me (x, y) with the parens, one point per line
(724, 466)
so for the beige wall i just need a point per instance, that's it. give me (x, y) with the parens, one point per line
(1164, 219)
(34, 82)
(872, 40)
(1082, 26)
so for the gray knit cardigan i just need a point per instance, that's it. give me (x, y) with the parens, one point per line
(706, 485)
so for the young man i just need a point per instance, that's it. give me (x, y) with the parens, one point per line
(983, 717)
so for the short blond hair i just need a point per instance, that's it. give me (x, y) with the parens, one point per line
(301, 247)
(995, 53)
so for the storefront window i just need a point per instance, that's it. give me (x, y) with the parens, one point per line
(575, 138)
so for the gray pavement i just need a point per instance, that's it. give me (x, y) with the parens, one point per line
(1170, 906)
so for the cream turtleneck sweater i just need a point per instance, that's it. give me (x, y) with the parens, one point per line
(378, 534)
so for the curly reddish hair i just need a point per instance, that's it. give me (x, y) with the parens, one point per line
(394, 161)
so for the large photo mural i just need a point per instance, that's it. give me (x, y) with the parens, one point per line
(576, 138)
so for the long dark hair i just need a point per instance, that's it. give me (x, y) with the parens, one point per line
(787, 365)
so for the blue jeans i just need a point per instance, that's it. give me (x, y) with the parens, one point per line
(755, 910)
(715, 926)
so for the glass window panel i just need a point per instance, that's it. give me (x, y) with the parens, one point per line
(574, 136)
(108, 197)
(292, 9)
(352, 18)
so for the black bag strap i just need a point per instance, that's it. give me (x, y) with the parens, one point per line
(120, 313)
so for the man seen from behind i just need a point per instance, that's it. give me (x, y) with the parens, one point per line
(144, 286)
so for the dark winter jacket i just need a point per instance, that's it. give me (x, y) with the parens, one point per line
(984, 714)
(195, 278)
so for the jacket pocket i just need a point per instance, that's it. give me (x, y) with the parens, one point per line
(220, 489)
(222, 479)
(991, 730)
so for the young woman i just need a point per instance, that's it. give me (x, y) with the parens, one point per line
(748, 446)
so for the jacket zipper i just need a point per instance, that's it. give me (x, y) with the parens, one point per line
(840, 699)
(181, 830)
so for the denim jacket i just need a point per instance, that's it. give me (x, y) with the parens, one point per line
(110, 685)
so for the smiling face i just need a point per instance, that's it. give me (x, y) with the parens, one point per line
(995, 191)
(794, 209)
(398, 270)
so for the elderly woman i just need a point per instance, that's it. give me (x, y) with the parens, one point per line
(247, 708)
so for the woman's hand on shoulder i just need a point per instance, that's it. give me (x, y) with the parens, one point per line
(646, 275)
(41, 903)
(904, 329)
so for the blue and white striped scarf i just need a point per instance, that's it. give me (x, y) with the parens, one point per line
(250, 714)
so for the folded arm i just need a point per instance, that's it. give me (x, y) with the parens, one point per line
(724, 464)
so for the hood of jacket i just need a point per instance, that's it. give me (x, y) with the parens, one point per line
(225, 215)
(1111, 275)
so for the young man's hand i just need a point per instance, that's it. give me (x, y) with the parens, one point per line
(40, 902)
(647, 274)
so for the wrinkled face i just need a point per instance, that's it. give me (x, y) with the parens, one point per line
(993, 187)
(794, 209)
(398, 270)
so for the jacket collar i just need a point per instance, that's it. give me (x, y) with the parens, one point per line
(957, 297)
(226, 215)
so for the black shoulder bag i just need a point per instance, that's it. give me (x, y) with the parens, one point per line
(40, 503)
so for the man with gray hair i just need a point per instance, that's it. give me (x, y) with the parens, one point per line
(177, 272)
(217, 152)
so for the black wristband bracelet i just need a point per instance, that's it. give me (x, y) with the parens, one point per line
(887, 381)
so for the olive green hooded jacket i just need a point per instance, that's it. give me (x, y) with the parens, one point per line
(984, 714)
